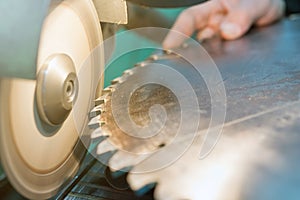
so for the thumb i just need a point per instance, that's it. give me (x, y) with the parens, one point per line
(237, 22)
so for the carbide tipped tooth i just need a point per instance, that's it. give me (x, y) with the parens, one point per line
(96, 111)
(128, 72)
(108, 90)
(102, 123)
(141, 64)
(163, 56)
(101, 100)
(94, 122)
(153, 57)
(117, 80)
(167, 51)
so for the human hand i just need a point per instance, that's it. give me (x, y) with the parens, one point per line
(228, 18)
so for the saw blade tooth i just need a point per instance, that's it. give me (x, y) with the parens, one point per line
(101, 122)
(138, 181)
(168, 51)
(105, 130)
(94, 122)
(128, 72)
(122, 160)
(96, 111)
(97, 133)
(122, 172)
(108, 90)
(141, 64)
(154, 57)
(117, 80)
(163, 56)
(105, 147)
(101, 100)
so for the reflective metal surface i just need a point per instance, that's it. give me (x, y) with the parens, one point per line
(57, 89)
(113, 11)
(257, 155)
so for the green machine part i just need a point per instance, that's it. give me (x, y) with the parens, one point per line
(20, 30)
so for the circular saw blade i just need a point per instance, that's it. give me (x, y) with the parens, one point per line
(150, 120)
(38, 158)
(157, 103)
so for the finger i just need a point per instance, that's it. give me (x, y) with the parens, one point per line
(237, 23)
(274, 13)
(189, 20)
(205, 34)
(183, 28)
(212, 28)
(215, 20)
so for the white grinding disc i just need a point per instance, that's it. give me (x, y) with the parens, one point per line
(38, 164)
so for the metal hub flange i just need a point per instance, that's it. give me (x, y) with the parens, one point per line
(57, 88)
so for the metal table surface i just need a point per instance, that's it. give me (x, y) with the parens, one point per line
(260, 142)
(260, 71)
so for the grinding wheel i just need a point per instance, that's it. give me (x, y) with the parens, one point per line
(43, 122)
